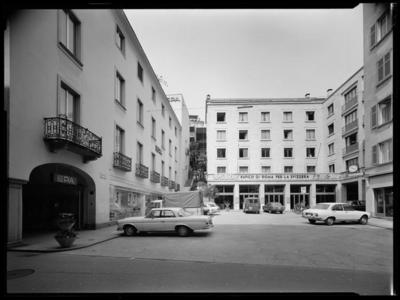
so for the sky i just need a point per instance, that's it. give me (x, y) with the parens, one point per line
(250, 53)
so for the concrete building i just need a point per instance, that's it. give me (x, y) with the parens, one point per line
(198, 149)
(378, 94)
(90, 128)
(291, 150)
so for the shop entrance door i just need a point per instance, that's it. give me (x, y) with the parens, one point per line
(303, 199)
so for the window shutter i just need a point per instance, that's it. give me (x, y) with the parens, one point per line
(374, 155)
(373, 116)
(373, 35)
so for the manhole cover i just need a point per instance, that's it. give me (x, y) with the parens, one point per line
(13, 274)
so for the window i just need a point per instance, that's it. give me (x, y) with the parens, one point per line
(162, 139)
(120, 40)
(170, 122)
(288, 169)
(265, 152)
(162, 168)
(168, 214)
(288, 134)
(170, 147)
(191, 129)
(310, 152)
(384, 67)
(140, 112)
(330, 129)
(153, 128)
(351, 162)
(220, 117)
(287, 116)
(243, 117)
(379, 29)
(243, 169)
(243, 135)
(153, 161)
(330, 109)
(331, 149)
(332, 168)
(170, 173)
(351, 140)
(139, 153)
(176, 154)
(221, 135)
(265, 169)
(382, 152)
(288, 152)
(265, 134)
(140, 72)
(221, 170)
(119, 89)
(176, 132)
(153, 94)
(310, 169)
(243, 152)
(265, 116)
(119, 139)
(351, 95)
(310, 116)
(70, 33)
(382, 112)
(68, 103)
(163, 110)
(310, 134)
(350, 118)
(221, 153)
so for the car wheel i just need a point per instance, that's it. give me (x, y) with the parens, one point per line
(311, 221)
(183, 231)
(129, 230)
(329, 221)
(364, 220)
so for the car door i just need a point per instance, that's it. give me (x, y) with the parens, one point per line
(168, 220)
(338, 213)
(351, 213)
(150, 223)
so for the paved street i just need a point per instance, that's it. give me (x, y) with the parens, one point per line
(265, 253)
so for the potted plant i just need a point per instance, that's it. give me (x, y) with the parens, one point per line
(65, 236)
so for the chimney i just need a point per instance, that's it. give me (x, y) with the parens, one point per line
(328, 92)
(307, 96)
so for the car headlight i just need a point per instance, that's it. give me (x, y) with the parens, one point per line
(316, 215)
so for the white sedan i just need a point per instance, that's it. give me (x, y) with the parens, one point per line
(165, 219)
(210, 208)
(335, 212)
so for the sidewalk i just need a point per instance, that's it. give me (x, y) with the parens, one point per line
(45, 242)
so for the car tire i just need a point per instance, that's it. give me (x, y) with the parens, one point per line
(129, 230)
(329, 221)
(311, 221)
(183, 231)
(363, 220)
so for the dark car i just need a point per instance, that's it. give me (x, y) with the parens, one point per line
(274, 207)
(358, 204)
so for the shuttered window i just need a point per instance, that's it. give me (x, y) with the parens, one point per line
(373, 116)
(373, 35)
(374, 155)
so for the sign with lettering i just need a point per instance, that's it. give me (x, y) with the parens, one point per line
(276, 177)
(65, 179)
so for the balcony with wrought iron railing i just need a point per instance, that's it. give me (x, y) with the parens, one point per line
(62, 133)
(171, 184)
(348, 127)
(164, 181)
(350, 149)
(155, 177)
(349, 104)
(122, 162)
(142, 171)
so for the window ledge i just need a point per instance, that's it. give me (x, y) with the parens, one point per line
(154, 139)
(383, 81)
(288, 157)
(266, 140)
(221, 122)
(309, 121)
(221, 158)
(265, 121)
(70, 55)
(331, 134)
(243, 158)
(310, 157)
(380, 41)
(243, 140)
(265, 157)
(311, 140)
(330, 115)
(243, 121)
(382, 164)
(287, 121)
(221, 140)
(288, 140)
(382, 125)
(140, 124)
(120, 105)
(331, 154)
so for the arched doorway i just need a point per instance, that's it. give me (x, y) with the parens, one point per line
(55, 188)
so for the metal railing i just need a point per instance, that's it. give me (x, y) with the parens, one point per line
(350, 149)
(350, 126)
(122, 161)
(349, 104)
(60, 128)
(155, 177)
(142, 171)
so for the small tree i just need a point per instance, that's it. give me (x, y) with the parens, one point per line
(210, 191)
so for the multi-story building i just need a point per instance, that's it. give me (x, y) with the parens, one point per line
(378, 95)
(90, 128)
(288, 150)
(198, 149)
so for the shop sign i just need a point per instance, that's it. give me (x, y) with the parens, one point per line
(275, 177)
(353, 168)
(303, 190)
(65, 179)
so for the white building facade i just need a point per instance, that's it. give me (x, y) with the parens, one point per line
(90, 129)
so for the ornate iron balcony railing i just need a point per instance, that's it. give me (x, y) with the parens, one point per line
(164, 181)
(350, 149)
(350, 126)
(60, 132)
(349, 104)
(155, 177)
(122, 161)
(142, 171)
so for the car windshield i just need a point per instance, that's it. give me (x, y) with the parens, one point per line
(183, 213)
(321, 206)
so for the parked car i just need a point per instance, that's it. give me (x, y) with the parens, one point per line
(335, 212)
(210, 208)
(251, 205)
(274, 207)
(358, 204)
(165, 219)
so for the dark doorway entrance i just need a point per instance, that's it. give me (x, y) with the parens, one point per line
(352, 191)
(54, 189)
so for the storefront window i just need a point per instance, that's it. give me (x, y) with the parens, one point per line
(124, 204)
(384, 201)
